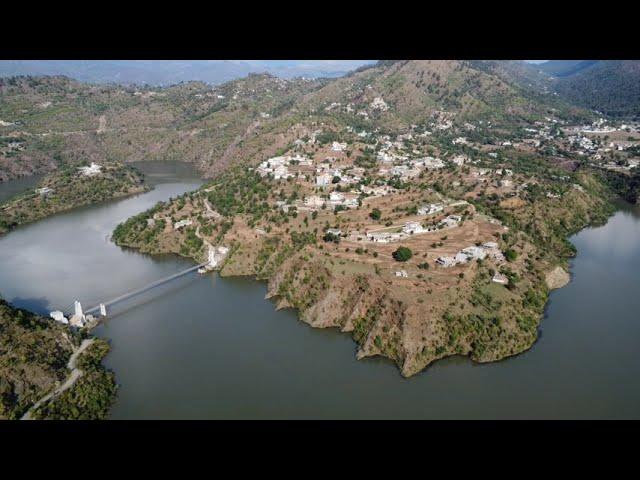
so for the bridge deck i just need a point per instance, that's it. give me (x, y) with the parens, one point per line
(145, 288)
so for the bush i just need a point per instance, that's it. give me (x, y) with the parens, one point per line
(511, 255)
(375, 214)
(402, 254)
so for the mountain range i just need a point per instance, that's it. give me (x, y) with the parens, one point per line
(168, 72)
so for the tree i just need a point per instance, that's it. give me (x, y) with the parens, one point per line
(511, 255)
(375, 214)
(402, 254)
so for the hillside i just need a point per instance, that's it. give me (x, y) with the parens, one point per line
(608, 86)
(33, 357)
(565, 68)
(68, 188)
(413, 90)
(34, 361)
(49, 121)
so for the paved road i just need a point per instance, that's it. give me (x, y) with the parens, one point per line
(75, 374)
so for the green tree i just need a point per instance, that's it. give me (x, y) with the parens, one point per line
(402, 254)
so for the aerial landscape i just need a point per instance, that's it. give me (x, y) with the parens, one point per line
(388, 239)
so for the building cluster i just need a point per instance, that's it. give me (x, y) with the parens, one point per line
(487, 249)
(396, 233)
(278, 167)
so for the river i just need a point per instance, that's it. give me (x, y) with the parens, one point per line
(206, 347)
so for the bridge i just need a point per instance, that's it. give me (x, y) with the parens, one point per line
(102, 306)
(149, 286)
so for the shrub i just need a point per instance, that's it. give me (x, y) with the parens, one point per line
(402, 254)
(511, 255)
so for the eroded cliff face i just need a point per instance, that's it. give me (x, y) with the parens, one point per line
(391, 319)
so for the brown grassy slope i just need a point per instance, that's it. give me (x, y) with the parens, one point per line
(415, 89)
(60, 120)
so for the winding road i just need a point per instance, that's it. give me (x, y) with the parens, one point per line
(75, 374)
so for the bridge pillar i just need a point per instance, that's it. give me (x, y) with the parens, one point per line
(103, 310)
(78, 319)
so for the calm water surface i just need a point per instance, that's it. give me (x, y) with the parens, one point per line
(207, 347)
(19, 185)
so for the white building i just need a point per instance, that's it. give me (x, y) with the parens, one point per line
(430, 209)
(446, 261)
(338, 147)
(217, 255)
(281, 172)
(474, 253)
(379, 104)
(58, 316)
(459, 160)
(91, 170)
(450, 221)
(499, 278)
(44, 191)
(182, 223)
(314, 201)
(412, 227)
(323, 179)
(336, 197)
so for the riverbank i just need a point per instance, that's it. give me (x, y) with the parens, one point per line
(217, 342)
(240, 358)
(37, 277)
(69, 188)
(413, 312)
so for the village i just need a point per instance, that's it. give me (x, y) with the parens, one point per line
(369, 193)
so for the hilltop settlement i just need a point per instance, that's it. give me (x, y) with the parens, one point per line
(421, 207)
(422, 239)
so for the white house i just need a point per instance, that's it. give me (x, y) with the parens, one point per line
(446, 261)
(323, 179)
(499, 278)
(336, 197)
(430, 209)
(474, 253)
(450, 221)
(412, 227)
(182, 223)
(91, 170)
(459, 160)
(314, 201)
(338, 147)
(44, 191)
